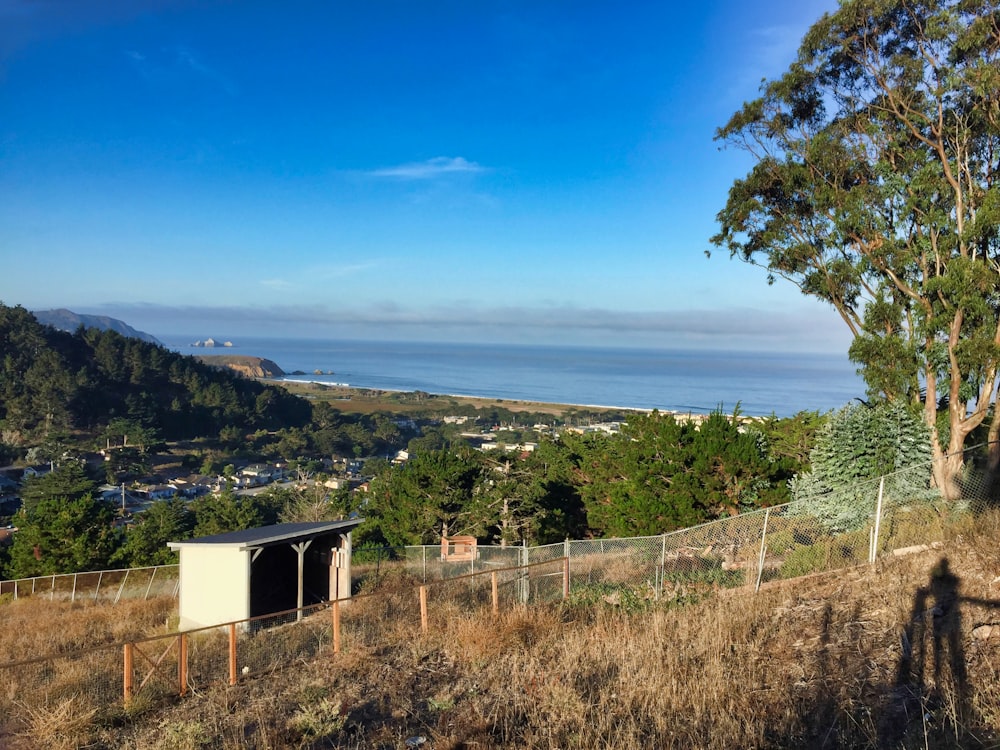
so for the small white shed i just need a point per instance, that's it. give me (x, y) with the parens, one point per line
(243, 574)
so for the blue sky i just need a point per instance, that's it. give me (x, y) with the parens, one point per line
(534, 171)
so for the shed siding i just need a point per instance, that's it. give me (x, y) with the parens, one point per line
(215, 585)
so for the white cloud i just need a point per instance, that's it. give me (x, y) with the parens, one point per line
(439, 166)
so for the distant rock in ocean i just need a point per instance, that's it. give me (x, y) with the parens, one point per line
(67, 320)
(210, 343)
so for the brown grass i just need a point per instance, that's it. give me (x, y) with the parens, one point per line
(364, 401)
(873, 657)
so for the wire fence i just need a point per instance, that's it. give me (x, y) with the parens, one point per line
(407, 591)
(894, 514)
(825, 532)
(99, 585)
(105, 682)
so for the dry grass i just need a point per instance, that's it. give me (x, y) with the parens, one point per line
(369, 401)
(873, 657)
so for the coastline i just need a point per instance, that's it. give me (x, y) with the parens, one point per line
(371, 399)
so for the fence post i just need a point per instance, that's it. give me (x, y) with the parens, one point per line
(873, 551)
(336, 626)
(128, 673)
(232, 653)
(663, 566)
(122, 586)
(495, 592)
(524, 588)
(565, 573)
(423, 609)
(97, 589)
(151, 577)
(182, 664)
(763, 550)
(52, 591)
(72, 597)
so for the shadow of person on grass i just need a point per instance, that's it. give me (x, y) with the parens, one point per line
(931, 692)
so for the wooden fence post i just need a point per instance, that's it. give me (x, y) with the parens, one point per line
(496, 593)
(336, 626)
(565, 573)
(423, 609)
(182, 664)
(232, 653)
(128, 673)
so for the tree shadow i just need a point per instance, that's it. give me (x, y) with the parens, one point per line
(931, 692)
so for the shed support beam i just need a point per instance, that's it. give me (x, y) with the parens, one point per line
(300, 549)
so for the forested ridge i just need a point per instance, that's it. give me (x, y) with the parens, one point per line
(52, 381)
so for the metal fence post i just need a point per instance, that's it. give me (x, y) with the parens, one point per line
(763, 550)
(873, 550)
(150, 586)
(121, 587)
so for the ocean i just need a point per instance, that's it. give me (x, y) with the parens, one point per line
(680, 381)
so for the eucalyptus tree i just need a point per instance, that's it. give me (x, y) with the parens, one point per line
(875, 189)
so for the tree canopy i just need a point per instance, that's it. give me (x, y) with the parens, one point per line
(874, 189)
(52, 381)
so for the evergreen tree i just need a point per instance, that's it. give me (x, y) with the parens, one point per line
(146, 542)
(63, 535)
(859, 444)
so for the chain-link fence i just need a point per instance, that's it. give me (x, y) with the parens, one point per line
(894, 514)
(98, 585)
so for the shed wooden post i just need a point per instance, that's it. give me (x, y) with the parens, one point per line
(344, 567)
(334, 576)
(300, 550)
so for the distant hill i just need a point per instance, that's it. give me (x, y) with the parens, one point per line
(67, 320)
(52, 381)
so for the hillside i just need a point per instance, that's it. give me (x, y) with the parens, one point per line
(890, 656)
(69, 321)
(250, 367)
(53, 382)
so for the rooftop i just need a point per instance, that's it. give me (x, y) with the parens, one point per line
(265, 536)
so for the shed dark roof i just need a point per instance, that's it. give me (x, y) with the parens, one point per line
(268, 535)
